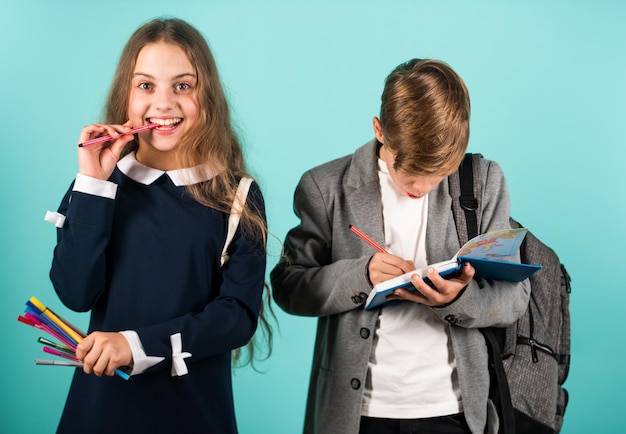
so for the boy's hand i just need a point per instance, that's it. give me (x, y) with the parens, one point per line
(99, 160)
(447, 290)
(385, 266)
(103, 352)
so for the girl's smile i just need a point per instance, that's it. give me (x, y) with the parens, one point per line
(165, 125)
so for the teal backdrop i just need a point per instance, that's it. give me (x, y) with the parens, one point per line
(547, 82)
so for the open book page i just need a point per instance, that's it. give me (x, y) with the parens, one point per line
(494, 245)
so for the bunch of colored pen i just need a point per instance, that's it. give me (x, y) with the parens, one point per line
(39, 316)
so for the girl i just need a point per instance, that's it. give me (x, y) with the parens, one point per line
(145, 223)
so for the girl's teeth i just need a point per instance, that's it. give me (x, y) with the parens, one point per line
(165, 122)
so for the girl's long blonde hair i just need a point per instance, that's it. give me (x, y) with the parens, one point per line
(212, 142)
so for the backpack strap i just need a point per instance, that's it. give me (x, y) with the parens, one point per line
(468, 200)
(466, 208)
(500, 391)
(235, 214)
(465, 193)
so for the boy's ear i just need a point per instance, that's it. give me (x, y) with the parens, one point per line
(378, 130)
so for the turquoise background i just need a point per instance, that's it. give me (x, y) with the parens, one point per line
(547, 81)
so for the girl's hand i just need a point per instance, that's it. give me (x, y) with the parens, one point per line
(445, 291)
(385, 266)
(103, 352)
(99, 160)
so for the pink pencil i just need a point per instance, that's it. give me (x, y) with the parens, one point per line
(59, 353)
(109, 137)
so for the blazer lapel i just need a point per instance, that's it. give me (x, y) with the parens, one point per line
(363, 188)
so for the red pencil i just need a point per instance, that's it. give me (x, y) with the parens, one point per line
(367, 239)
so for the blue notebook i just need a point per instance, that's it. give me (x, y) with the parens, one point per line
(491, 254)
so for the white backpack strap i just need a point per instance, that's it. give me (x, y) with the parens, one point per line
(235, 214)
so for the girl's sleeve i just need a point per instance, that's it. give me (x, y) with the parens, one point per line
(79, 264)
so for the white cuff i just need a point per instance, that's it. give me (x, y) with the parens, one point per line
(97, 187)
(55, 218)
(141, 362)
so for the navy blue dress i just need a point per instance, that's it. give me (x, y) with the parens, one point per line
(149, 261)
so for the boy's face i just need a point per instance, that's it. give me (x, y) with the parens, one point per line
(415, 186)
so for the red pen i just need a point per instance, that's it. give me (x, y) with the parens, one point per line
(367, 239)
(109, 137)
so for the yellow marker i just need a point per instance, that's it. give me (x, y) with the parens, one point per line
(55, 319)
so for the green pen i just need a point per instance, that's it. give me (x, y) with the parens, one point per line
(56, 346)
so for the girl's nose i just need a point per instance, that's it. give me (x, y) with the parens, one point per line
(164, 100)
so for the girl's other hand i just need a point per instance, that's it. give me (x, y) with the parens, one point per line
(99, 160)
(103, 352)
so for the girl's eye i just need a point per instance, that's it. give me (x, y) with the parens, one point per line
(144, 86)
(183, 86)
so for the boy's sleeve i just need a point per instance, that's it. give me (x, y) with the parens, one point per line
(308, 280)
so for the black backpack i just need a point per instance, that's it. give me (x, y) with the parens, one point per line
(529, 360)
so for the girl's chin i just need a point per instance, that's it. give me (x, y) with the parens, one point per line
(156, 148)
(161, 142)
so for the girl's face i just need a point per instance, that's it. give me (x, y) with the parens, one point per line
(163, 92)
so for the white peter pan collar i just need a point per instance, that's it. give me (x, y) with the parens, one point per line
(143, 174)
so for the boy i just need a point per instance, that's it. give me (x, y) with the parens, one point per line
(421, 363)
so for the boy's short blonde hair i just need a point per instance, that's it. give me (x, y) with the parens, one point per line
(425, 111)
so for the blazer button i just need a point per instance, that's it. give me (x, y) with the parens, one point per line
(451, 319)
(355, 383)
(359, 298)
(365, 333)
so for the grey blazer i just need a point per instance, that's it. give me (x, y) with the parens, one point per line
(323, 268)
